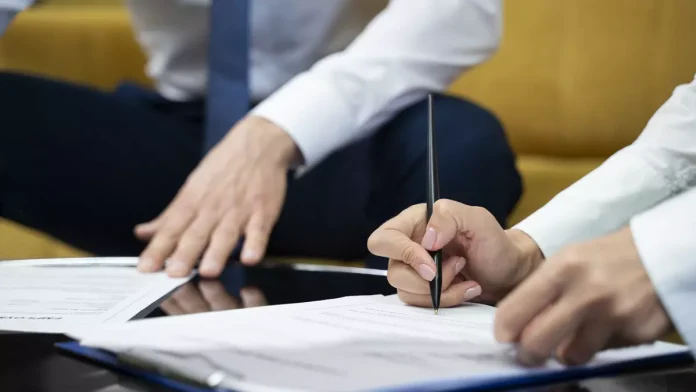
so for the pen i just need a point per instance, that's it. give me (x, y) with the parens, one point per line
(433, 195)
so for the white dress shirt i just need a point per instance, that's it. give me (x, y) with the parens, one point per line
(328, 72)
(8, 10)
(651, 186)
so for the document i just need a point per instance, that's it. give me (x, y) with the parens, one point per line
(57, 295)
(348, 344)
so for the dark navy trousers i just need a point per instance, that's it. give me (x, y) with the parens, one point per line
(85, 166)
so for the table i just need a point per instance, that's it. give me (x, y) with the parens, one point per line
(29, 362)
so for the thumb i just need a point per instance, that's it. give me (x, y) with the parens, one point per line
(451, 218)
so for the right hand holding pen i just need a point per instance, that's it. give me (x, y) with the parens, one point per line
(481, 260)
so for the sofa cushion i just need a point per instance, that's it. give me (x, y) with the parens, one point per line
(577, 78)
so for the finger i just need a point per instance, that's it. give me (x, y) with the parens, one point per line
(590, 338)
(403, 277)
(145, 231)
(451, 218)
(393, 240)
(545, 333)
(257, 232)
(222, 243)
(456, 294)
(164, 242)
(192, 244)
(217, 297)
(252, 297)
(190, 299)
(525, 303)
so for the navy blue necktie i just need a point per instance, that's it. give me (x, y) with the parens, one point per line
(228, 58)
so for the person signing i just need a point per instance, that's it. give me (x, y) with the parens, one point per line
(608, 262)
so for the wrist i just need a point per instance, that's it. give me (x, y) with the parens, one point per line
(276, 142)
(528, 252)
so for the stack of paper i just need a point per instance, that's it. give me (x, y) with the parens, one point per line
(57, 295)
(355, 343)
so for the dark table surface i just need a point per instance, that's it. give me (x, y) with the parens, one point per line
(29, 362)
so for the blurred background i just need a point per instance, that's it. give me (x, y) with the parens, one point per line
(573, 81)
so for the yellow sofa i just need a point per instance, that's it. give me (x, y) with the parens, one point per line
(573, 81)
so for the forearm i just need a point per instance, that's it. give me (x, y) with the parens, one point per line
(407, 50)
(658, 165)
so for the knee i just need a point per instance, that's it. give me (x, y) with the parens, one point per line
(477, 163)
(10, 80)
(15, 90)
(461, 121)
(456, 121)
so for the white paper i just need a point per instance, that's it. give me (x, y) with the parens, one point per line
(355, 343)
(57, 295)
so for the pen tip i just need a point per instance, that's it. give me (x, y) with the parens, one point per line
(435, 311)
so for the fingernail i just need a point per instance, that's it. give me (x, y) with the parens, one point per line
(459, 266)
(177, 268)
(426, 272)
(429, 238)
(146, 264)
(472, 293)
(206, 267)
(502, 334)
(249, 254)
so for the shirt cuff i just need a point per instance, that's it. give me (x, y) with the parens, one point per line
(5, 19)
(536, 226)
(300, 108)
(664, 237)
(599, 203)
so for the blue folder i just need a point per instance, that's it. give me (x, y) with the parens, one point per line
(538, 378)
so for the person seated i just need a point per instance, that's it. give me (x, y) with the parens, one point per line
(291, 128)
(608, 262)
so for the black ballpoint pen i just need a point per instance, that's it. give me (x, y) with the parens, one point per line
(433, 195)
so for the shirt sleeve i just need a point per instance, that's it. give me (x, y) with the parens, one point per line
(6, 17)
(9, 9)
(658, 165)
(408, 50)
(664, 237)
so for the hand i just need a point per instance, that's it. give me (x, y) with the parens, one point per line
(480, 258)
(210, 295)
(238, 189)
(586, 298)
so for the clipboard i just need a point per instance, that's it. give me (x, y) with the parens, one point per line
(110, 361)
(543, 377)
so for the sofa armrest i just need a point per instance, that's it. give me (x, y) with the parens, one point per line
(89, 44)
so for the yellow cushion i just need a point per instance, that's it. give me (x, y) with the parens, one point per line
(84, 44)
(544, 177)
(18, 242)
(578, 78)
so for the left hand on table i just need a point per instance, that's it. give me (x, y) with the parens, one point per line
(237, 190)
(586, 298)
